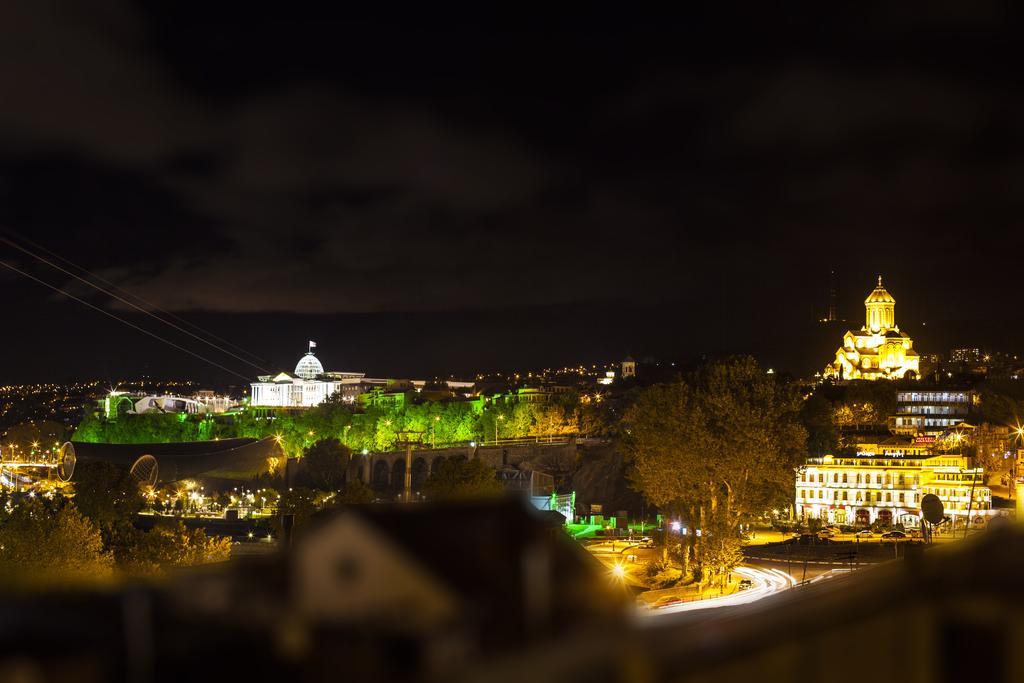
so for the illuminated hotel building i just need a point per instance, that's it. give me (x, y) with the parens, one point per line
(878, 350)
(886, 481)
(931, 411)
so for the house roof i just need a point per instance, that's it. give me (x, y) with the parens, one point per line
(478, 550)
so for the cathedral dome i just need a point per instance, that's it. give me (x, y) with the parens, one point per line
(309, 367)
(880, 295)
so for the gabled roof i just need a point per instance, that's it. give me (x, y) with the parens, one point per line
(477, 550)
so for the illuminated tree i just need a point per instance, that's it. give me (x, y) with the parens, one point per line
(38, 543)
(457, 478)
(717, 448)
(167, 546)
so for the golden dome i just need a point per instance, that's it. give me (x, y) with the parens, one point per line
(879, 295)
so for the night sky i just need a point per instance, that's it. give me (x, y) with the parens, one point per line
(428, 195)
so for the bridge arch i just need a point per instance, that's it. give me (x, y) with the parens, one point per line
(435, 464)
(420, 471)
(398, 474)
(380, 478)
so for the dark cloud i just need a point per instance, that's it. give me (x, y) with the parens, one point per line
(707, 168)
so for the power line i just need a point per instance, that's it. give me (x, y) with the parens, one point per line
(127, 302)
(122, 320)
(138, 298)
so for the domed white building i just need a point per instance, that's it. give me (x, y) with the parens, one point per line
(308, 386)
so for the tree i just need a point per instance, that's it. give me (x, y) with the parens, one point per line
(167, 546)
(719, 447)
(300, 502)
(457, 478)
(38, 543)
(356, 493)
(106, 493)
(822, 434)
(326, 462)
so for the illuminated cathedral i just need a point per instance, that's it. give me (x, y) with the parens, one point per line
(878, 350)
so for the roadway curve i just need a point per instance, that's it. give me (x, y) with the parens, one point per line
(764, 582)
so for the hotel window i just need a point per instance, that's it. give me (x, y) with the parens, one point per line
(844, 477)
(821, 478)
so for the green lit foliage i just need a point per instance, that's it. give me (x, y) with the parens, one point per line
(375, 427)
(325, 464)
(457, 478)
(154, 428)
(40, 543)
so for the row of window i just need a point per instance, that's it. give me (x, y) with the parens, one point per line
(859, 478)
(859, 496)
(931, 397)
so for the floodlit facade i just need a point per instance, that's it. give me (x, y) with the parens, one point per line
(931, 411)
(878, 350)
(880, 485)
(308, 386)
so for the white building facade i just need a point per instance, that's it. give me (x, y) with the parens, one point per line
(308, 386)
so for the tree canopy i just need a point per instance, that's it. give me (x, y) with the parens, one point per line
(106, 493)
(720, 446)
(457, 478)
(39, 543)
(325, 464)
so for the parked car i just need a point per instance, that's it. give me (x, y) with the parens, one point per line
(865, 533)
(894, 536)
(826, 533)
(745, 584)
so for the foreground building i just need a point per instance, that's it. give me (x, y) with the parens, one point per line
(430, 592)
(878, 350)
(885, 482)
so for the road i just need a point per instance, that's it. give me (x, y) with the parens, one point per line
(764, 582)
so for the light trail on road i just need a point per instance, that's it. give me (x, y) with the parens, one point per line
(764, 582)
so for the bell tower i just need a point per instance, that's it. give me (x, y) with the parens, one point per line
(880, 310)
